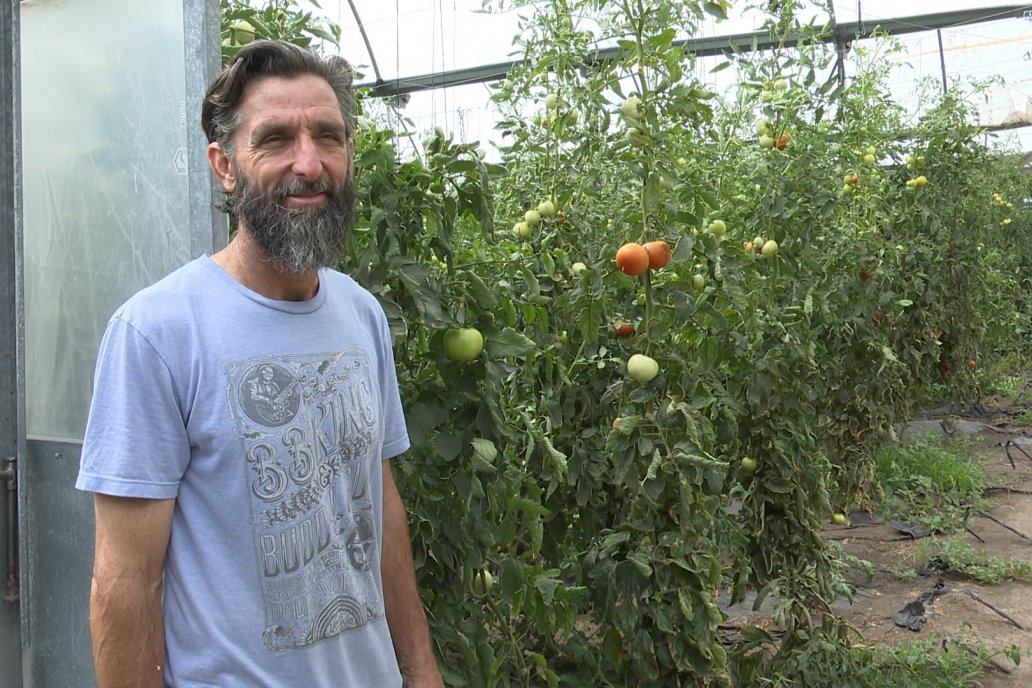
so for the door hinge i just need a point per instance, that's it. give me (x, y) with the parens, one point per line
(9, 475)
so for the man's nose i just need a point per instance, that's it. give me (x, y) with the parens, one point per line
(307, 163)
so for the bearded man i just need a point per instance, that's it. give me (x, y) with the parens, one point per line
(248, 529)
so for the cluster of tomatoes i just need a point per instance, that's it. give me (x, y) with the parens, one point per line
(634, 259)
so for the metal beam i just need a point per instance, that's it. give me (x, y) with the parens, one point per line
(712, 46)
(12, 388)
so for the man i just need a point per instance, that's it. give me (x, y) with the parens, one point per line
(248, 529)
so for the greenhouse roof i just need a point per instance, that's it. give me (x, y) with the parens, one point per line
(441, 53)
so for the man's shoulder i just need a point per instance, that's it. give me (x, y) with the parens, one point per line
(173, 294)
(342, 284)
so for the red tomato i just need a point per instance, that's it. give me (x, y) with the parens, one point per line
(623, 329)
(659, 254)
(632, 259)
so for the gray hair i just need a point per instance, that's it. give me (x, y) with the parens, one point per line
(262, 59)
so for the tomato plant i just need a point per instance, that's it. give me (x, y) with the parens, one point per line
(629, 441)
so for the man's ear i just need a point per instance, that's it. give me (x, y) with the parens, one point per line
(221, 168)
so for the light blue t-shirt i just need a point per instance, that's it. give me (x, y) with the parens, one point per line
(267, 421)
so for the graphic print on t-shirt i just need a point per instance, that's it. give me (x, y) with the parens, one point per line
(309, 432)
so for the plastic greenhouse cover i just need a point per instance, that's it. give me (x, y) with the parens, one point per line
(419, 37)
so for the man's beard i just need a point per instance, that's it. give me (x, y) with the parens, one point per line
(301, 239)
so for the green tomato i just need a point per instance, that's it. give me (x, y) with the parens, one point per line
(522, 230)
(241, 32)
(718, 228)
(551, 101)
(750, 464)
(780, 85)
(631, 108)
(838, 519)
(636, 137)
(578, 267)
(546, 208)
(463, 344)
(763, 128)
(770, 249)
(483, 581)
(699, 282)
(869, 158)
(767, 142)
(532, 217)
(642, 368)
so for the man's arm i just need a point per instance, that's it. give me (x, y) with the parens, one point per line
(405, 615)
(125, 597)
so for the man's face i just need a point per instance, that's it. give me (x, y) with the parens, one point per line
(290, 181)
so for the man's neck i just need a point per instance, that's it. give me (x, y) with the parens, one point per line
(246, 262)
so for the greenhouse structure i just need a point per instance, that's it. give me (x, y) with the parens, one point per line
(720, 254)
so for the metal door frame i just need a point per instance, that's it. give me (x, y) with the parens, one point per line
(12, 388)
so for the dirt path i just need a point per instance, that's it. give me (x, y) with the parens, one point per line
(958, 613)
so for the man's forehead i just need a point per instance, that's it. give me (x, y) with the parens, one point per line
(275, 95)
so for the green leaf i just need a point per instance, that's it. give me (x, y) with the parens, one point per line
(485, 297)
(640, 563)
(448, 446)
(508, 342)
(422, 419)
(613, 539)
(484, 455)
(426, 300)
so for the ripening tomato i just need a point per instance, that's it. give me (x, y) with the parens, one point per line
(783, 142)
(632, 259)
(623, 329)
(659, 254)
(878, 316)
(971, 363)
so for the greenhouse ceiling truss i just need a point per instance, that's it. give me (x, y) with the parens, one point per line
(841, 34)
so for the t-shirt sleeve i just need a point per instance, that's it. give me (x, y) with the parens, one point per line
(136, 444)
(395, 436)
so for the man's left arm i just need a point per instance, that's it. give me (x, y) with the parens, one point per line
(405, 616)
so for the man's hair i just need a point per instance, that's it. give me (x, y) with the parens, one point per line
(220, 112)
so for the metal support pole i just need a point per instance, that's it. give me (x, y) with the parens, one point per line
(942, 59)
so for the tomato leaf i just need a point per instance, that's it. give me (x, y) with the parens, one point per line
(484, 455)
(508, 342)
(425, 298)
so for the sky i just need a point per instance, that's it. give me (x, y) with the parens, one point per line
(416, 37)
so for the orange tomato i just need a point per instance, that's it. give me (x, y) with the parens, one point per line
(659, 254)
(632, 259)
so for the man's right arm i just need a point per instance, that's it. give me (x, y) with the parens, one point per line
(125, 597)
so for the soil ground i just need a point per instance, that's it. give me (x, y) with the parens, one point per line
(957, 613)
